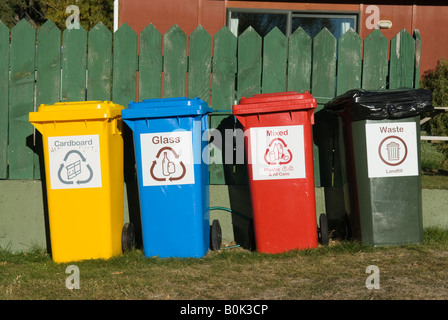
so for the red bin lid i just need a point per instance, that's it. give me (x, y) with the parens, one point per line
(275, 102)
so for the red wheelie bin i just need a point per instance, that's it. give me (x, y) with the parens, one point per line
(279, 152)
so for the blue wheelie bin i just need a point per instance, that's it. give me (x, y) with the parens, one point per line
(173, 176)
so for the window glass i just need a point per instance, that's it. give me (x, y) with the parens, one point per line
(287, 21)
(313, 24)
(261, 22)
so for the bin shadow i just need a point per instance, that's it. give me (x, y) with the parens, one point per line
(131, 185)
(324, 134)
(237, 182)
(331, 176)
(37, 147)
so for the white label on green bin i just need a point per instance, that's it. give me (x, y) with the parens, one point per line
(391, 149)
(74, 162)
(277, 152)
(167, 158)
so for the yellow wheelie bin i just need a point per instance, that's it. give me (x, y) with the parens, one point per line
(83, 154)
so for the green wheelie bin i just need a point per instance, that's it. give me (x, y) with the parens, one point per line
(380, 149)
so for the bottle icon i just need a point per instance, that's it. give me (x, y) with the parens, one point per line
(280, 151)
(167, 166)
(277, 153)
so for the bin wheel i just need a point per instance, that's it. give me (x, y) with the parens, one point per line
(128, 237)
(215, 235)
(323, 229)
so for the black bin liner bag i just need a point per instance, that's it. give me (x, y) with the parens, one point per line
(359, 104)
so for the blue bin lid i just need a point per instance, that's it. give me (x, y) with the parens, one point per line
(165, 108)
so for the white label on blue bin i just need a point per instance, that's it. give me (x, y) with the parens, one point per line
(74, 162)
(167, 158)
(277, 153)
(391, 149)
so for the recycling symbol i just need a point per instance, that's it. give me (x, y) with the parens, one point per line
(75, 169)
(277, 152)
(167, 166)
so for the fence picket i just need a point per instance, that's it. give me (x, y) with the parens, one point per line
(48, 64)
(74, 64)
(402, 61)
(48, 80)
(150, 64)
(199, 64)
(299, 61)
(349, 62)
(224, 69)
(323, 89)
(99, 63)
(223, 97)
(125, 66)
(248, 84)
(274, 62)
(4, 88)
(348, 77)
(324, 67)
(375, 64)
(21, 101)
(175, 63)
(249, 63)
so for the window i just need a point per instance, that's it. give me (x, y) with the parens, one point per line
(261, 22)
(337, 24)
(264, 21)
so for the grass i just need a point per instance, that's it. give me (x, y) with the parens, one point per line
(434, 181)
(434, 167)
(432, 157)
(334, 272)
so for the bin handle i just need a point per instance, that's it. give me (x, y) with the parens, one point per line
(242, 120)
(117, 126)
(39, 126)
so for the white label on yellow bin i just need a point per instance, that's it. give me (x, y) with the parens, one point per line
(391, 149)
(277, 152)
(75, 162)
(167, 158)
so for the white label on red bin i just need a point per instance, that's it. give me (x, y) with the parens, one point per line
(74, 162)
(391, 149)
(167, 158)
(277, 152)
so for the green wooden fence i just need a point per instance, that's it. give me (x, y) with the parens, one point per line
(48, 66)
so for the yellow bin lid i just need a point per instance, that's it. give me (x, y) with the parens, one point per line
(71, 111)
